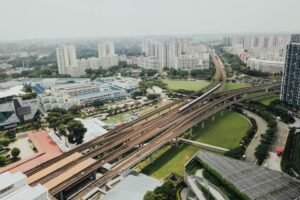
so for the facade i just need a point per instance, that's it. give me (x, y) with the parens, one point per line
(107, 56)
(89, 63)
(18, 111)
(146, 62)
(265, 65)
(14, 186)
(66, 60)
(178, 53)
(290, 89)
(68, 64)
(262, 47)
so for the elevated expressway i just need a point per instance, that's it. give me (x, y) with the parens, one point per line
(124, 147)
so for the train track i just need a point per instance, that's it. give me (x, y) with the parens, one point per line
(128, 132)
(179, 122)
(186, 122)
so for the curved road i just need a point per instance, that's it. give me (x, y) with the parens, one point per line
(262, 126)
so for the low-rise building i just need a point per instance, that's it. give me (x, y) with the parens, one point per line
(18, 111)
(124, 83)
(265, 65)
(15, 187)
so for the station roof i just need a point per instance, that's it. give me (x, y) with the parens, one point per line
(68, 174)
(53, 167)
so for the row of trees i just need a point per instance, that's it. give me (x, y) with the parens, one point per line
(239, 151)
(237, 65)
(262, 150)
(290, 161)
(63, 122)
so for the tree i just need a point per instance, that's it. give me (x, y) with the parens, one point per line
(27, 88)
(76, 132)
(164, 192)
(54, 122)
(74, 109)
(62, 131)
(97, 103)
(15, 152)
(4, 141)
(66, 118)
(153, 96)
(2, 160)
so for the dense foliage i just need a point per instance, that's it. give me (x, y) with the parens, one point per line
(164, 192)
(62, 120)
(237, 65)
(291, 154)
(262, 150)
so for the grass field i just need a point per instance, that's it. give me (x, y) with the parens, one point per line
(232, 86)
(167, 160)
(266, 100)
(187, 85)
(226, 131)
(117, 118)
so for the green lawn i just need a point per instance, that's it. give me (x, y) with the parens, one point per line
(226, 131)
(232, 86)
(187, 85)
(266, 100)
(167, 160)
(117, 118)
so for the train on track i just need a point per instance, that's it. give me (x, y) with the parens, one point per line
(199, 98)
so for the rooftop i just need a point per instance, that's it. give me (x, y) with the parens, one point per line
(256, 182)
(11, 91)
(133, 187)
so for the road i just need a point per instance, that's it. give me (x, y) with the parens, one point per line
(273, 162)
(262, 126)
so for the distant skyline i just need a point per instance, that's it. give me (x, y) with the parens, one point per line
(38, 19)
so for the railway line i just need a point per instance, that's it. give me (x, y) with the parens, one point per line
(123, 146)
(181, 125)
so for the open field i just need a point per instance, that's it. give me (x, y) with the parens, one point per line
(232, 86)
(226, 131)
(117, 118)
(167, 160)
(266, 100)
(186, 85)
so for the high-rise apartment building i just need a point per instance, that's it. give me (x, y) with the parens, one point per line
(106, 49)
(290, 89)
(66, 60)
(107, 55)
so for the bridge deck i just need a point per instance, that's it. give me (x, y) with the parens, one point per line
(53, 167)
(69, 173)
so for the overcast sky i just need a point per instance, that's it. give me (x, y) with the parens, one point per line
(30, 19)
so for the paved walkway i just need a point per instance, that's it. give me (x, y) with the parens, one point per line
(216, 193)
(273, 162)
(24, 145)
(46, 147)
(203, 145)
(262, 126)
